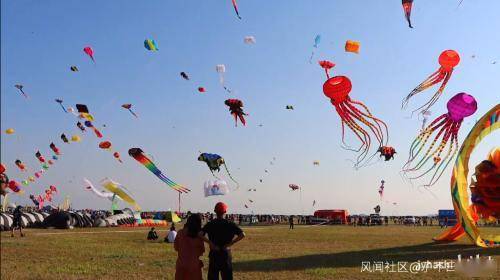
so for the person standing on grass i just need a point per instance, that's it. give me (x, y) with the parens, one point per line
(17, 221)
(221, 236)
(189, 248)
(290, 221)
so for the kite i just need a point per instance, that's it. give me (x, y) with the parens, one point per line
(235, 107)
(235, 6)
(76, 138)
(60, 101)
(249, 40)
(201, 89)
(214, 162)
(35, 201)
(80, 126)
(314, 203)
(185, 76)
(120, 191)
(96, 131)
(15, 186)
(484, 190)
(387, 152)
(117, 156)
(84, 112)
(315, 162)
(50, 162)
(138, 155)
(74, 68)
(447, 60)
(377, 209)
(54, 149)
(90, 52)
(217, 187)
(20, 164)
(20, 88)
(381, 189)
(54, 157)
(105, 145)
(129, 108)
(9, 131)
(352, 46)
(102, 194)
(31, 179)
(407, 8)
(63, 137)
(150, 45)
(39, 156)
(38, 174)
(252, 190)
(446, 126)
(293, 187)
(466, 218)
(353, 114)
(289, 107)
(317, 40)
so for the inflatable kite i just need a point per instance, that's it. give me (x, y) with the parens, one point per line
(289, 107)
(90, 52)
(60, 101)
(129, 108)
(467, 215)
(235, 107)
(448, 60)
(103, 194)
(120, 191)
(64, 138)
(20, 164)
(117, 156)
(138, 155)
(20, 88)
(80, 126)
(74, 68)
(214, 162)
(217, 187)
(96, 131)
(15, 187)
(387, 152)
(407, 9)
(293, 187)
(352, 46)
(447, 126)
(150, 45)
(54, 149)
(353, 114)
(221, 69)
(9, 131)
(39, 156)
(201, 89)
(185, 76)
(76, 138)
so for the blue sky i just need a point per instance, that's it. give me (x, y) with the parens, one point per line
(42, 39)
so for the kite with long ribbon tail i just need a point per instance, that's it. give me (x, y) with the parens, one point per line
(60, 101)
(235, 6)
(407, 8)
(138, 155)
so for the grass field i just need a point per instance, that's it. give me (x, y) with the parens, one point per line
(272, 252)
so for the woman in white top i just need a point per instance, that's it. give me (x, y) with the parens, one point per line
(170, 238)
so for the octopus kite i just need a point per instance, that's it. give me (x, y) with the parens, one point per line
(448, 60)
(446, 127)
(235, 107)
(407, 8)
(214, 162)
(353, 114)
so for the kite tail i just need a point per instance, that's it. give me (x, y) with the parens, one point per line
(64, 109)
(230, 176)
(242, 119)
(236, 9)
(135, 115)
(433, 79)
(97, 132)
(25, 95)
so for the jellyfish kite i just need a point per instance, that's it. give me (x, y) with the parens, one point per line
(64, 138)
(214, 162)
(129, 108)
(381, 189)
(235, 107)
(20, 88)
(54, 148)
(407, 8)
(235, 6)
(138, 154)
(90, 52)
(60, 101)
(317, 40)
(353, 114)
(447, 61)
(445, 128)
(20, 164)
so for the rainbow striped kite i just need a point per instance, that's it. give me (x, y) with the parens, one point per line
(150, 45)
(138, 155)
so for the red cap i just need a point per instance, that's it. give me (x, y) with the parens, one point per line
(220, 208)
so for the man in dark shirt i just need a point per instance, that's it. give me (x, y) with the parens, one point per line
(221, 236)
(17, 221)
(152, 235)
(290, 221)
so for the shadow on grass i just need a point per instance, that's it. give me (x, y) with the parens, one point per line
(422, 252)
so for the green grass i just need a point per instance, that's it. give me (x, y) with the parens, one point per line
(274, 252)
